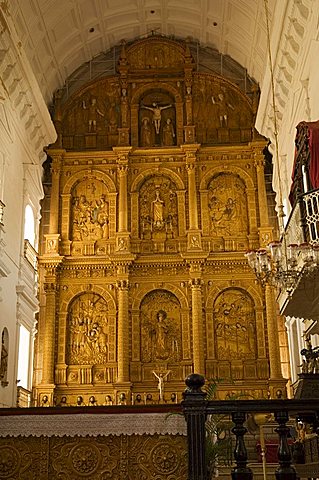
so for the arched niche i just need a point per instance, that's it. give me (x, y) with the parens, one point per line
(87, 339)
(234, 322)
(168, 99)
(227, 206)
(160, 322)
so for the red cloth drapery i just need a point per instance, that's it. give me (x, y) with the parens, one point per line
(313, 130)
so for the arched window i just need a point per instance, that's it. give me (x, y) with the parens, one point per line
(4, 357)
(29, 225)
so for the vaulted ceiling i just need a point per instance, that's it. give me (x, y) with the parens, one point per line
(59, 36)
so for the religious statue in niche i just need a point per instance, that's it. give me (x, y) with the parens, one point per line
(160, 323)
(235, 325)
(227, 206)
(157, 120)
(87, 325)
(90, 211)
(158, 209)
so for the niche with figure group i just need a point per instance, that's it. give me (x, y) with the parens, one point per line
(235, 325)
(160, 327)
(157, 120)
(87, 330)
(90, 211)
(158, 209)
(227, 205)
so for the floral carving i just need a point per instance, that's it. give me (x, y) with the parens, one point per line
(9, 461)
(164, 459)
(85, 459)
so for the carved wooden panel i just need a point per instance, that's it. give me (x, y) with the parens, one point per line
(136, 457)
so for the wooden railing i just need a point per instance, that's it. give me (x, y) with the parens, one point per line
(196, 409)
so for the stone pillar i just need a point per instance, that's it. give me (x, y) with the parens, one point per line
(197, 320)
(50, 288)
(272, 331)
(123, 332)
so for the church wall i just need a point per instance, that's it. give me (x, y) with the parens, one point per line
(25, 127)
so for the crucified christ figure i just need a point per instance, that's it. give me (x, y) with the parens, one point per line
(157, 114)
(160, 377)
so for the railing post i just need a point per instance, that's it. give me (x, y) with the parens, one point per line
(241, 471)
(194, 408)
(285, 471)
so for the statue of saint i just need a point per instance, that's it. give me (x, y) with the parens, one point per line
(157, 210)
(157, 114)
(146, 133)
(93, 112)
(168, 133)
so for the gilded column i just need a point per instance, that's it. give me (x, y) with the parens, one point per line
(122, 230)
(52, 238)
(197, 324)
(194, 235)
(272, 331)
(123, 332)
(262, 196)
(122, 169)
(50, 288)
(265, 231)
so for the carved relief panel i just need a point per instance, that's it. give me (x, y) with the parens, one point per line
(227, 206)
(158, 209)
(160, 327)
(94, 112)
(235, 325)
(157, 120)
(218, 105)
(87, 330)
(90, 211)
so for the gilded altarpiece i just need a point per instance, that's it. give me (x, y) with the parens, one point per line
(157, 191)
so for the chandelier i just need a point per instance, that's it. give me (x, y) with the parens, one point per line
(282, 266)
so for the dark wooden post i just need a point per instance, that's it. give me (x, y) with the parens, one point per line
(285, 471)
(194, 408)
(241, 471)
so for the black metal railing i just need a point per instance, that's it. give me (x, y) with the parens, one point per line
(196, 409)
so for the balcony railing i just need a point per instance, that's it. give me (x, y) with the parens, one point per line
(196, 409)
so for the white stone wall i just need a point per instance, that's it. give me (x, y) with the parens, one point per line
(25, 128)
